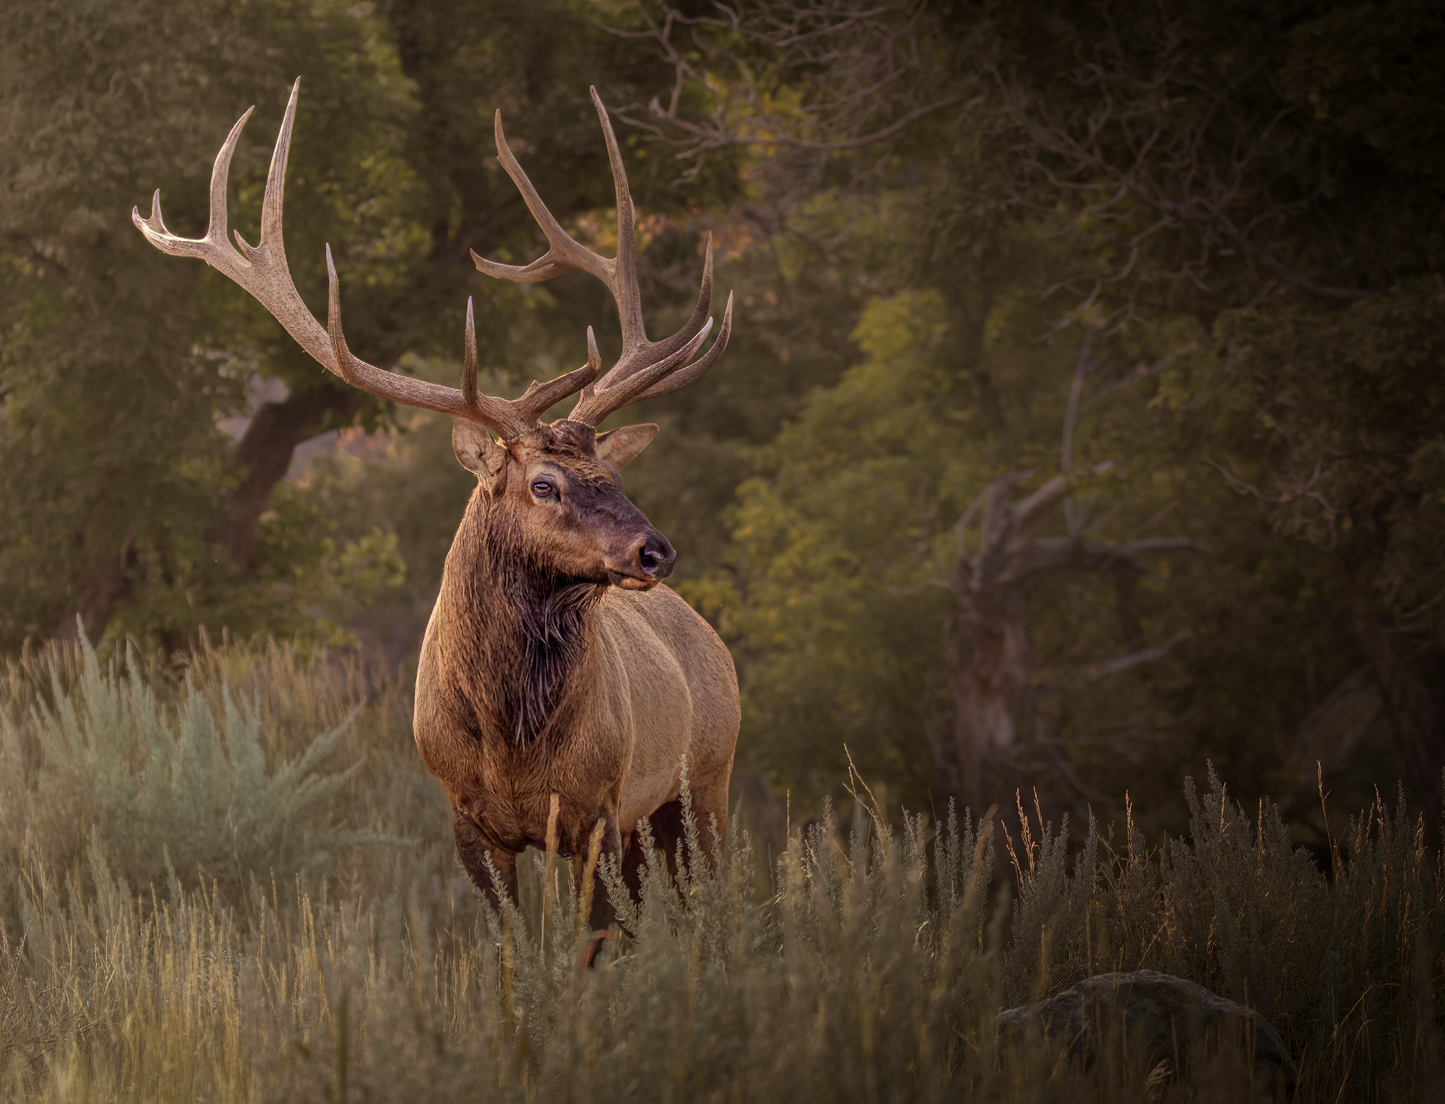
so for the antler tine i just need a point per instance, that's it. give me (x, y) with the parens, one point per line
(469, 359)
(645, 368)
(624, 275)
(675, 381)
(669, 345)
(539, 397)
(389, 385)
(509, 419)
(494, 413)
(598, 402)
(261, 270)
(634, 378)
(274, 197)
(663, 378)
(154, 228)
(565, 253)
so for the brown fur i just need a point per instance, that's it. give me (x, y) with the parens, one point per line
(539, 677)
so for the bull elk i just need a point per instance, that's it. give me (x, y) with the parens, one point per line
(557, 671)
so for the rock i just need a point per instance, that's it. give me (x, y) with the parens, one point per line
(1165, 1014)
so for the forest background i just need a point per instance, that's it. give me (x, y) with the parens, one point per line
(1084, 418)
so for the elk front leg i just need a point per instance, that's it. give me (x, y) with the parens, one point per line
(473, 850)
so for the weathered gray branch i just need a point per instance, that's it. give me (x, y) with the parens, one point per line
(714, 138)
(1070, 553)
(1105, 667)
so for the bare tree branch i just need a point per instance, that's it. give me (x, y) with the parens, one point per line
(1073, 554)
(1105, 667)
(713, 138)
(1032, 510)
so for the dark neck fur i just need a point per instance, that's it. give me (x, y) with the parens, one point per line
(514, 633)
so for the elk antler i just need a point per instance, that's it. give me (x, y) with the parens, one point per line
(509, 417)
(262, 271)
(646, 369)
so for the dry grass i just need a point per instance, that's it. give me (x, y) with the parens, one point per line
(871, 970)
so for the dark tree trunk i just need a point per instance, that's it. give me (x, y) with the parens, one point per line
(1409, 670)
(264, 454)
(992, 690)
(105, 584)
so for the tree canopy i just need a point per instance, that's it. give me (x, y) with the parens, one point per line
(1085, 417)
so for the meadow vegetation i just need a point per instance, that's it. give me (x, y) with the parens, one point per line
(327, 948)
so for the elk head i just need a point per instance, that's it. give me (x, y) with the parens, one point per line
(556, 492)
(558, 484)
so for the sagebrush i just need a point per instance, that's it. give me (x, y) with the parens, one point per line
(871, 967)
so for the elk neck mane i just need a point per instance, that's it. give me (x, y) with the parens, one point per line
(513, 632)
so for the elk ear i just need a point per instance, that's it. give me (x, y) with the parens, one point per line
(477, 452)
(618, 446)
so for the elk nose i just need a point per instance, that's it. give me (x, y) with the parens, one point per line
(656, 556)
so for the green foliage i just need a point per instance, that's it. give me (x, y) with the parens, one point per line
(837, 557)
(839, 592)
(116, 361)
(304, 578)
(1243, 202)
(162, 791)
(1350, 408)
(405, 503)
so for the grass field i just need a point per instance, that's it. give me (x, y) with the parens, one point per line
(233, 881)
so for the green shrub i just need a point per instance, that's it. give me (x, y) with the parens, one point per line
(165, 790)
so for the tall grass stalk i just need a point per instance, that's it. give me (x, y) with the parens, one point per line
(871, 970)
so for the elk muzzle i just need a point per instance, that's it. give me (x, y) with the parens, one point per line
(649, 562)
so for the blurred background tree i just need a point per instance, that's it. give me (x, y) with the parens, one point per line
(1083, 419)
(127, 499)
(1231, 202)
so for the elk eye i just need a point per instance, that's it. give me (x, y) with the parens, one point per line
(541, 488)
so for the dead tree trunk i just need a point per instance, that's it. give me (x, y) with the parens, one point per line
(995, 692)
(263, 455)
